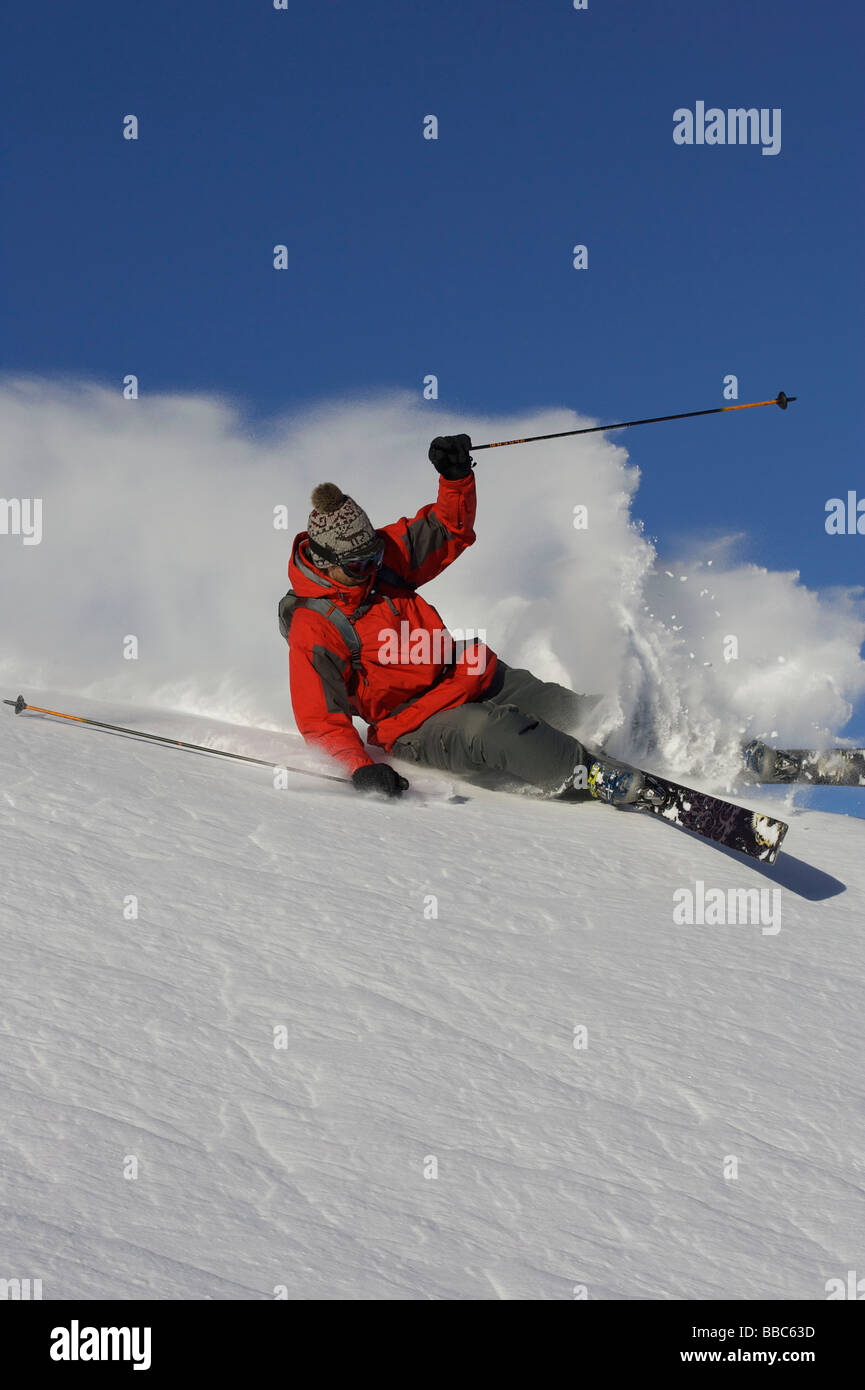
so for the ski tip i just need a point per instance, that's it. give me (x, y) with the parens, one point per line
(769, 836)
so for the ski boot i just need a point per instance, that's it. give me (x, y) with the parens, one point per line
(767, 764)
(619, 784)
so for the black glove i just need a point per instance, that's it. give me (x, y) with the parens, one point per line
(449, 453)
(379, 777)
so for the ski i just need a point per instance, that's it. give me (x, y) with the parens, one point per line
(750, 832)
(827, 767)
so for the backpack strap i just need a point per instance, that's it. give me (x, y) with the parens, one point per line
(289, 604)
(343, 624)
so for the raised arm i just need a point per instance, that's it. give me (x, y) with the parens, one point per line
(423, 546)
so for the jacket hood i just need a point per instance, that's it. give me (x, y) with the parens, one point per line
(308, 581)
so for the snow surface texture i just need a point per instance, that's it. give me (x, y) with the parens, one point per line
(409, 1037)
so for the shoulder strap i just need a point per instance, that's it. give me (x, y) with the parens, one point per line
(291, 601)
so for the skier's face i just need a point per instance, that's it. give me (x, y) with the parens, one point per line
(356, 572)
(345, 581)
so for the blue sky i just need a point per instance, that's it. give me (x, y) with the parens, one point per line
(453, 256)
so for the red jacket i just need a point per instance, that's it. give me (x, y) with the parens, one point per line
(392, 697)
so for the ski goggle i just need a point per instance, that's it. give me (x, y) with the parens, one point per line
(362, 565)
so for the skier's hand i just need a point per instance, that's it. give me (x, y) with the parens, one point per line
(379, 777)
(449, 453)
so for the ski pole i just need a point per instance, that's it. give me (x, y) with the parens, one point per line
(781, 400)
(20, 705)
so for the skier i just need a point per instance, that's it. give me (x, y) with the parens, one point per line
(361, 641)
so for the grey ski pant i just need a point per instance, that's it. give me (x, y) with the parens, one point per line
(518, 728)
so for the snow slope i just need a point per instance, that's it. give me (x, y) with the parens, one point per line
(408, 1037)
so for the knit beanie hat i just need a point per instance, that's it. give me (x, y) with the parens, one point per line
(338, 528)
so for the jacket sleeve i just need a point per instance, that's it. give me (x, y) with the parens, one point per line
(319, 673)
(422, 547)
